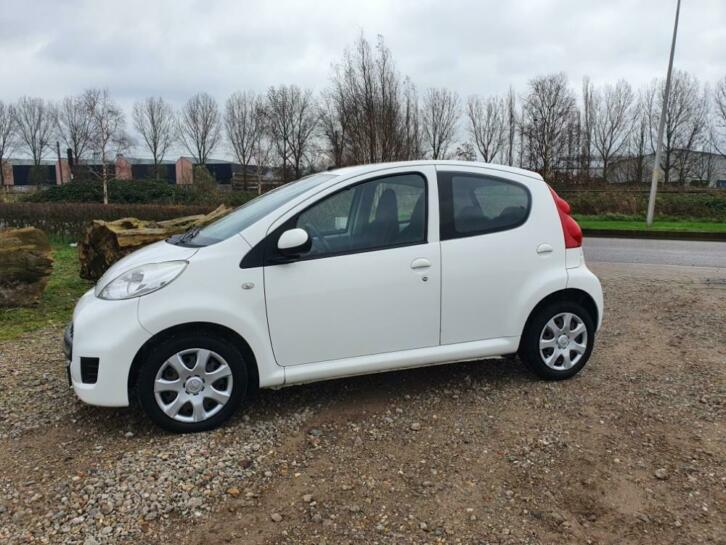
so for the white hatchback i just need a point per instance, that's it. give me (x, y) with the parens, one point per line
(352, 271)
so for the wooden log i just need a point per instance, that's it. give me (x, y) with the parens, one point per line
(105, 242)
(25, 266)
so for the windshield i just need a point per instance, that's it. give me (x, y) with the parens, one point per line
(250, 212)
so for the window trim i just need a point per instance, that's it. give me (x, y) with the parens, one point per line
(447, 227)
(264, 253)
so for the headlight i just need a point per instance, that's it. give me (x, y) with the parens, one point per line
(142, 280)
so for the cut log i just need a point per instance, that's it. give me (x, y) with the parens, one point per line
(105, 242)
(25, 266)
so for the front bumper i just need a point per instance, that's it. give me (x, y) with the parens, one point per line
(107, 335)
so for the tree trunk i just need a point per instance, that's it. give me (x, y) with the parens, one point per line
(105, 242)
(25, 266)
(104, 176)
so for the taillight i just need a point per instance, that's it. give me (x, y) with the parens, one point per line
(570, 229)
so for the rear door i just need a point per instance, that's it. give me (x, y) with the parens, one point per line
(370, 284)
(499, 250)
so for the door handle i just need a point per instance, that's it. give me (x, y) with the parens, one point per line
(543, 249)
(420, 263)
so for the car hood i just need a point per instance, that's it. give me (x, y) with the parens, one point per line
(157, 252)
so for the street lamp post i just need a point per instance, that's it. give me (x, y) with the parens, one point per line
(661, 125)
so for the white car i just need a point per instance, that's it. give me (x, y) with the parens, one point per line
(352, 271)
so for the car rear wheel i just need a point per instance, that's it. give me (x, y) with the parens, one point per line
(558, 340)
(193, 383)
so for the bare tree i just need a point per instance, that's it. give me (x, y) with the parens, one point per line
(155, 121)
(547, 111)
(243, 120)
(292, 120)
(511, 125)
(487, 125)
(8, 135)
(108, 136)
(35, 120)
(638, 142)
(586, 127)
(73, 122)
(685, 124)
(371, 111)
(304, 125)
(332, 127)
(261, 150)
(570, 162)
(611, 121)
(439, 116)
(410, 129)
(719, 114)
(200, 126)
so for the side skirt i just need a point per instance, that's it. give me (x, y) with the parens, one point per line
(406, 359)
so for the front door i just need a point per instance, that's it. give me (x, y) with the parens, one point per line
(370, 283)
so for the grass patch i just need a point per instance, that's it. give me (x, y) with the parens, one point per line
(638, 224)
(55, 307)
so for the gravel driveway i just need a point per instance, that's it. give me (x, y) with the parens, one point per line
(631, 451)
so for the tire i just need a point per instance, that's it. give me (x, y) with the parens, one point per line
(195, 397)
(550, 347)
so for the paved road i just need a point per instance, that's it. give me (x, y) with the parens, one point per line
(658, 252)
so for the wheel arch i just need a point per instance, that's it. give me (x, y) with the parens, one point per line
(196, 327)
(567, 294)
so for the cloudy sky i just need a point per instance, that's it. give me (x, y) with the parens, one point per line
(175, 48)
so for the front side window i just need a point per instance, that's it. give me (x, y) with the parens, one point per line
(381, 213)
(473, 204)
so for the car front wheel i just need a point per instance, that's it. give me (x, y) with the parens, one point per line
(192, 384)
(558, 340)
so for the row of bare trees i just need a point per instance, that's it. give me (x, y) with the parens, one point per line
(371, 113)
(91, 121)
(559, 133)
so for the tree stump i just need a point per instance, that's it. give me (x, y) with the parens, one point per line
(105, 242)
(25, 266)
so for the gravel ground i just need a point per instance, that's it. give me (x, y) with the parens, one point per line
(631, 451)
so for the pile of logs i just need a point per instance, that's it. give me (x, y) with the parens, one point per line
(105, 242)
(25, 266)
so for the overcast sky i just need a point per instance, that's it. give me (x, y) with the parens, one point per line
(174, 48)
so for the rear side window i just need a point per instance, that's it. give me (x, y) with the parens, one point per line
(473, 204)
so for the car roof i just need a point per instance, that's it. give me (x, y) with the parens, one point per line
(365, 169)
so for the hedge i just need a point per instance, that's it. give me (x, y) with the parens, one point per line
(138, 192)
(69, 221)
(703, 205)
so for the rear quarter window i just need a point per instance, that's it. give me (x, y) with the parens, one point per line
(474, 204)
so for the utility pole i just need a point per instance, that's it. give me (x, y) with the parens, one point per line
(661, 126)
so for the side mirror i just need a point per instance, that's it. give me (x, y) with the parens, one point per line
(294, 242)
